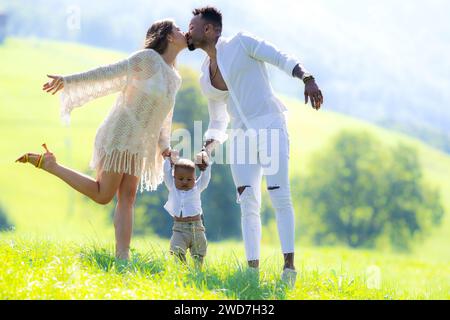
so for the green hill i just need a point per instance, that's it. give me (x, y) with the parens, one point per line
(39, 203)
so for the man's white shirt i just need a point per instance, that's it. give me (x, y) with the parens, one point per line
(250, 102)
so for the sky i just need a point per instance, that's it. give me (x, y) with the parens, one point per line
(385, 60)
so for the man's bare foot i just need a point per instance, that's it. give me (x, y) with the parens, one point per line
(289, 261)
(253, 263)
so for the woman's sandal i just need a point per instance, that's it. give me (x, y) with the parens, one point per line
(25, 158)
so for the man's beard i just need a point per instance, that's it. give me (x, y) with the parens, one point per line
(191, 47)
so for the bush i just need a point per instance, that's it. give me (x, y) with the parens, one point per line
(360, 191)
(5, 225)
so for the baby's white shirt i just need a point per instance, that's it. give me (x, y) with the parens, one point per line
(182, 203)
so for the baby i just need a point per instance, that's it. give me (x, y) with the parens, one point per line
(184, 205)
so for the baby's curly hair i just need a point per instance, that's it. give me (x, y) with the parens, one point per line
(185, 164)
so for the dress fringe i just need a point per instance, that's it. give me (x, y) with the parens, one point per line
(149, 172)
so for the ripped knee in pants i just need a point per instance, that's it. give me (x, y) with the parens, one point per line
(241, 189)
(241, 195)
(281, 198)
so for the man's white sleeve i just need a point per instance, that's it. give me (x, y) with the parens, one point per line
(265, 51)
(218, 121)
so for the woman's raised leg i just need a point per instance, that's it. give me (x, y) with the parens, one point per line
(101, 190)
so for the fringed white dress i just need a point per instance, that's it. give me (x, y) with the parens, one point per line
(138, 127)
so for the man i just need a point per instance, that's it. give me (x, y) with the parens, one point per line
(235, 81)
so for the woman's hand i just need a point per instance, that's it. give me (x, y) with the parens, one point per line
(166, 153)
(174, 156)
(54, 85)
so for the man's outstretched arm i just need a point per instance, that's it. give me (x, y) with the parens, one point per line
(265, 51)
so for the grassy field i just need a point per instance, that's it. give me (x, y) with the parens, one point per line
(61, 247)
(37, 268)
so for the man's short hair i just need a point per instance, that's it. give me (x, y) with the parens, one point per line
(210, 14)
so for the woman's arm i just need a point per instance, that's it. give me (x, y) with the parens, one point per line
(165, 132)
(84, 87)
(80, 88)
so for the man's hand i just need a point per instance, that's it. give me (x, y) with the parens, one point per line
(202, 160)
(314, 94)
(312, 91)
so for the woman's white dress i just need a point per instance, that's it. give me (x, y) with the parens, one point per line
(138, 127)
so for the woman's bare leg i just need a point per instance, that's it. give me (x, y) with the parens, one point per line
(123, 215)
(101, 190)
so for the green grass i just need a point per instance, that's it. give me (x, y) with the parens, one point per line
(61, 248)
(44, 268)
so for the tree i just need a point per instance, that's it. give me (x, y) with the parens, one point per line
(5, 225)
(359, 191)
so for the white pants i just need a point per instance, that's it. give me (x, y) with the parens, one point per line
(271, 144)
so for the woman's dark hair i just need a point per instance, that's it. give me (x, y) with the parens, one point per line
(156, 38)
(210, 14)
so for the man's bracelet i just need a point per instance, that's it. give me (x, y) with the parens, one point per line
(204, 149)
(307, 78)
(207, 142)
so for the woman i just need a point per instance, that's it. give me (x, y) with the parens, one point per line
(134, 137)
